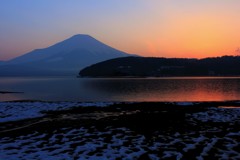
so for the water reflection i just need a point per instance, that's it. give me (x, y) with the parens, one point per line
(173, 89)
(107, 89)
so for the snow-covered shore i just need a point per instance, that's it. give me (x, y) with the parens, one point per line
(125, 131)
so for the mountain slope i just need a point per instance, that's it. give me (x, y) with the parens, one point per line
(157, 67)
(63, 58)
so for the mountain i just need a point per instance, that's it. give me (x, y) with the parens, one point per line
(157, 67)
(2, 63)
(63, 58)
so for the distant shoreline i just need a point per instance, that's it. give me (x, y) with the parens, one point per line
(204, 76)
(235, 102)
(9, 92)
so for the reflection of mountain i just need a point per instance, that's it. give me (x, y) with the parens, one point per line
(140, 66)
(63, 58)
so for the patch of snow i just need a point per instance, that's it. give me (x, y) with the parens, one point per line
(184, 103)
(208, 147)
(13, 111)
(109, 143)
(217, 115)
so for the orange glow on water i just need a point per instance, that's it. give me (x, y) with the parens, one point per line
(194, 89)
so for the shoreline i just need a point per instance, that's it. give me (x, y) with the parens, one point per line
(147, 130)
(9, 110)
(10, 92)
(91, 112)
(36, 112)
(234, 101)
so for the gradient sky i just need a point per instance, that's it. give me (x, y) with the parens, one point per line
(163, 28)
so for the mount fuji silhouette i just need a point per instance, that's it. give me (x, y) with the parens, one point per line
(64, 58)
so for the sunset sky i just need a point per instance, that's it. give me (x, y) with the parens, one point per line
(159, 28)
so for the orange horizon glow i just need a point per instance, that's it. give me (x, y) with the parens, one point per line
(179, 29)
(194, 30)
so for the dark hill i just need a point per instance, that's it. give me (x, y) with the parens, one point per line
(157, 67)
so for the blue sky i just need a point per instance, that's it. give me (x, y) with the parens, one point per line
(146, 27)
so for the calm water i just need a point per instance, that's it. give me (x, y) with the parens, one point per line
(107, 89)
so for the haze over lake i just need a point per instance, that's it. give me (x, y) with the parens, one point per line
(121, 89)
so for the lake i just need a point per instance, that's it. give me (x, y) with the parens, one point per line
(121, 89)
